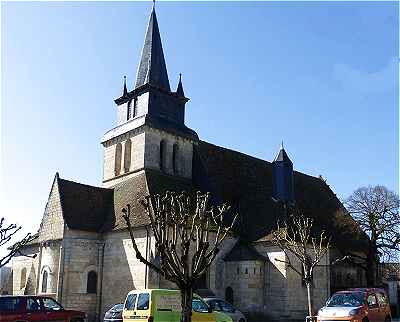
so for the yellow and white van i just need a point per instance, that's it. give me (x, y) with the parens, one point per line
(161, 305)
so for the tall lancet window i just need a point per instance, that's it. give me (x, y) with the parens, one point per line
(127, 155)
(163, 150)
(23, 278)
(118, 157)
(175, 151)
(44, 281)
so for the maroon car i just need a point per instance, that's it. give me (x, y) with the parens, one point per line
(36, 308)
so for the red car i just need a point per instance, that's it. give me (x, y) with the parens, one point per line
(36, 308)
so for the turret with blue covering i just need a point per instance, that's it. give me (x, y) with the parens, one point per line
(282, 176)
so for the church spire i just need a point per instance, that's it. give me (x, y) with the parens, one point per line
(152, 69)
(179, 89)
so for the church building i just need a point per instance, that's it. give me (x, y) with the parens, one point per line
(85, 258)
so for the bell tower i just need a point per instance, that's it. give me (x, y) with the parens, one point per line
(150, 132)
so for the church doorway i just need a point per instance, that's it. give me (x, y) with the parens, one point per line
(229, 295)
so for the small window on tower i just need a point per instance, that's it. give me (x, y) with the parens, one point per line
(128, 111)
(118, 157)
(127, 155)
(175, 152)
(134, 112)
(162, 155)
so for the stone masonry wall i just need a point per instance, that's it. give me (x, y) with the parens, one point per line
(285, 294)
(137, 155)
(184, 155)
(52, 225)
(30, 265)
(82, 253)
(122, 271)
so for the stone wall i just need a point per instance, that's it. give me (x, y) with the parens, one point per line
(183, 158)
(81, 254)
(137, 139)
(24, 272)
(52, 225)
(122, 271)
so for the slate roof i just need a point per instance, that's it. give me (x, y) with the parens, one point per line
(152, 69)
(241, 180)
(242, 251)
(282, 156)
(84, 207)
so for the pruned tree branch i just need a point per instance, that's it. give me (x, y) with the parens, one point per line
(7, 233)
(181, 230)
(297, 239)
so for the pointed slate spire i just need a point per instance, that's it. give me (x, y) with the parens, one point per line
(282, 155)
(179, 89)
(282, 176)
(125, 93)
(152, 69)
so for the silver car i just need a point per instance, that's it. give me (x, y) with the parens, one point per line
(220, 305)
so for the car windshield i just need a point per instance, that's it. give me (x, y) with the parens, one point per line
(199, 306)
(117, 307)
(347, 299)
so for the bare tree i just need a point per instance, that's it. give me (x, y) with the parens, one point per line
(180, 227)
(7, 232)
(376, 210)
(296, 239)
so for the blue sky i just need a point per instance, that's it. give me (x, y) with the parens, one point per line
(321, 76)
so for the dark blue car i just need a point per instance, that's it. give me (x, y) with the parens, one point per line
(114, 314)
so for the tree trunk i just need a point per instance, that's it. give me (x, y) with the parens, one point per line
(187, 296)
(309, 299)
(371, 269)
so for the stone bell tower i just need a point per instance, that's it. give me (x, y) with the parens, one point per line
(150, 132)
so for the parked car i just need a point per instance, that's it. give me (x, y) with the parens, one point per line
(220, 305)
(114, 314)
(36, 308)
(160, 305)
(357, 305)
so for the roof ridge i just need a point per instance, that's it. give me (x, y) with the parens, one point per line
(84, 184)
(256, 158)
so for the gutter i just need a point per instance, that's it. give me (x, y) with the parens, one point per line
(100, 285)
(60, 278)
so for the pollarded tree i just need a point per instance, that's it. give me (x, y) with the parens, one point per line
(187, 236)
(376, 210)
(298, 240)
(7, 232)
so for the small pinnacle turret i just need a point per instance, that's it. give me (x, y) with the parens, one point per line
(125, 91)
(282, 176)
(179, 89)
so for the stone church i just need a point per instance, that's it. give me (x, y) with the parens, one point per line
(85, 258)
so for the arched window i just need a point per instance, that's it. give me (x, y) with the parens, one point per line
(162, 155)
(127, 155)
(23, 278)
(118, 157)
(44, 281)
(229, 294)
(91, 285)
(175, 151)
